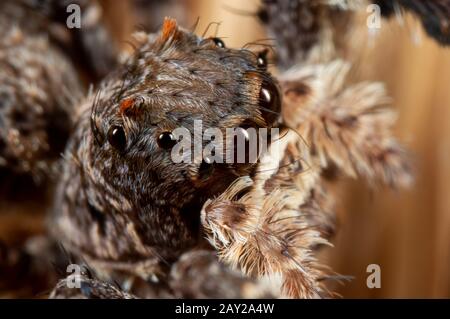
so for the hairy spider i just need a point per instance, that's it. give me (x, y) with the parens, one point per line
(147, 226)
(120, 188)
(126, 208)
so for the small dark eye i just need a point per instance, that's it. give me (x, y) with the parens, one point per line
(166, 140)
(262, 59)
(270, 101)
(219, 42)
(117, 138)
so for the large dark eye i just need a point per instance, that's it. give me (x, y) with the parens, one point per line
(270, 101)
(117, 138)
(219, 42)
(166, 140)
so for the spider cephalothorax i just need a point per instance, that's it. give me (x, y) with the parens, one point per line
(121, 189)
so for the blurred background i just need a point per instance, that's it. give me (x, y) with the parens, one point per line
(406, 232)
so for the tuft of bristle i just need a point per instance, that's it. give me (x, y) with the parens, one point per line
(349, 126)
(269, 238)
(168, 29)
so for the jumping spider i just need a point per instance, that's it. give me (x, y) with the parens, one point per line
(120, 188)
(149, 227)
(127, 209)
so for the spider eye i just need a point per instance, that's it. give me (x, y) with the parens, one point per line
(262, 59)
(117, 138)
(219, 42)
(270, 101)
(166, 140)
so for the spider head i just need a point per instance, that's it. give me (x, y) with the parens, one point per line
(153, 120)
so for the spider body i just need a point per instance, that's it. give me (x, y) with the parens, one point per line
(129, 210)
